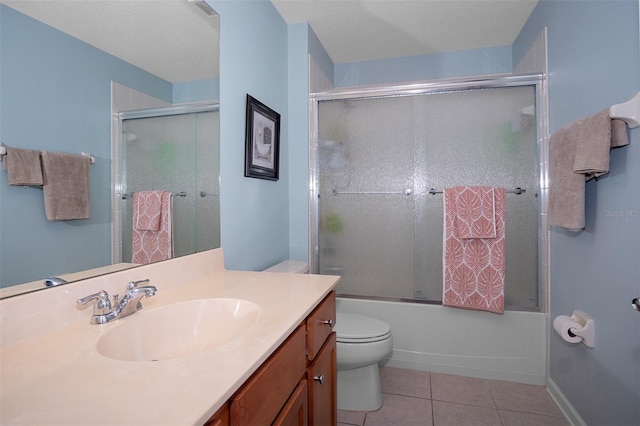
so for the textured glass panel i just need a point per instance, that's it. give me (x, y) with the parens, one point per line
(366, 150)
(480, 137)
(390, 245)
(363, 238)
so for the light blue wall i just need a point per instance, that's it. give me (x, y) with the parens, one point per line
(493, 60)
(298, 47)
(594, 62)
(56, 95)
(320, 55)
(254, 60)
(196, 91)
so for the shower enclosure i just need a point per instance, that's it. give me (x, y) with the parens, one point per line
(174, 149)
(384, 154)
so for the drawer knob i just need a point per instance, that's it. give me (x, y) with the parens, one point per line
(328, 322)
(319, 379)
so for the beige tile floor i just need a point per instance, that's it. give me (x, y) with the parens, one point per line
(421, 398)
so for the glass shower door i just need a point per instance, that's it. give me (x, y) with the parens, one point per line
(479, 137)
(381, 227)
(366, 220)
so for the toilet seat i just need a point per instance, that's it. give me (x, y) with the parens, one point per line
(354, 328)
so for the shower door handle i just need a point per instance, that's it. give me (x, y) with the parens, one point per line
(207, 194)
(635, 304)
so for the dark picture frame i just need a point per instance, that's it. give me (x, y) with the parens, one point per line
(262, 141)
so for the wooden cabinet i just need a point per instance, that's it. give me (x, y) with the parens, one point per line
(296, 410)
(262, 397)
(296, 386)
(220, 418)
(322, 378)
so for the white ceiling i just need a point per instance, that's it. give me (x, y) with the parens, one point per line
(178, 42)
(353, 31)
(172, 39)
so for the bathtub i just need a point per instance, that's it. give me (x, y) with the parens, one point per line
(433, 338)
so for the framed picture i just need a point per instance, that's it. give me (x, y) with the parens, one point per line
(262, 141)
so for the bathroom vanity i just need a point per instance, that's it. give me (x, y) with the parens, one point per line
(297, 384)
(277, 367)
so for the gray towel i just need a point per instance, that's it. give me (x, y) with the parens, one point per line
(66, 186)
(577, 153)
(23, 167)
(595, 136)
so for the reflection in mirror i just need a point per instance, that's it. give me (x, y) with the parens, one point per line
(173, 150)
(56, 81)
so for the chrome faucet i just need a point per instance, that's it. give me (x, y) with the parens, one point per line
(130, 302)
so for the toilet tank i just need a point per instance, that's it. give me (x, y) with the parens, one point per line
(290, 266)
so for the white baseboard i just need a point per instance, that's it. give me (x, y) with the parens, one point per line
(563, 403)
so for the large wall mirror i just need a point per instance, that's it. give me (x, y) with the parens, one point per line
(67, 65)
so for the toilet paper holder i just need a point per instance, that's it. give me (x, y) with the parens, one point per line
(588, 329)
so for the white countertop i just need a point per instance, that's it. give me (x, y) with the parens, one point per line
(59, 377)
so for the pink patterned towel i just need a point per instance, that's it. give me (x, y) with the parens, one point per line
(473, 268)
(152, 246)
(475, 215)
(147, 210)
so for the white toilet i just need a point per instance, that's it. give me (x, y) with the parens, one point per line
(361, 343)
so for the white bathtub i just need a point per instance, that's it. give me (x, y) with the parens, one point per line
(455, 341)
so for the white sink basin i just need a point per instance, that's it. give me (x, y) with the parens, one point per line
(178, 330)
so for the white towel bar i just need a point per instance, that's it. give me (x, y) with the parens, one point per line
(181, 194)
(92, 159)
(516, 191)
(3, 152)
(628, 111)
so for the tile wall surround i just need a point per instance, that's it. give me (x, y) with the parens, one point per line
(34, 314)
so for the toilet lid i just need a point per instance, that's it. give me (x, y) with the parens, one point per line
(354, 328)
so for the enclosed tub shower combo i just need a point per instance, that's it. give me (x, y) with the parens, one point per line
(382, 158)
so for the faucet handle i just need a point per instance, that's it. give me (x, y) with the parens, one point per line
(102, 305)
(134, 284)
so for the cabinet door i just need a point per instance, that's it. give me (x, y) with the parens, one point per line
(220, 418)
(322, 378)
(296, 410)
(262, 397)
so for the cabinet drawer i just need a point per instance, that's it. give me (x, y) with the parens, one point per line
(296, 411)
(320, 324)
(260, 400)
(322, 379)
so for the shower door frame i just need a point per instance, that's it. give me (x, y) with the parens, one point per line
(494, 81)
(116, 166)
